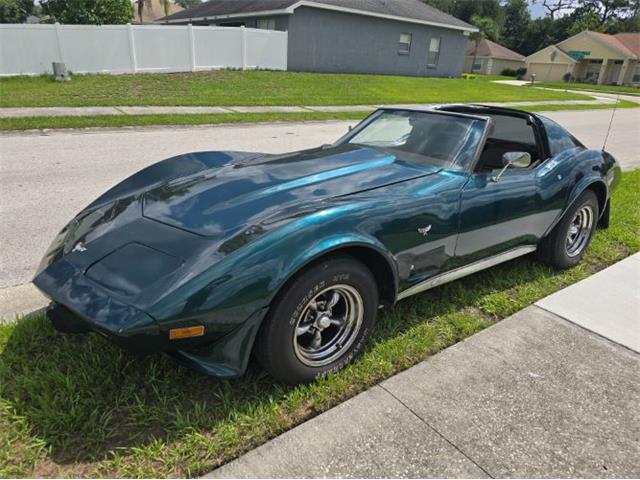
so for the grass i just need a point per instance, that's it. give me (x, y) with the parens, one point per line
(593, 88)
(79, 406)
(32, 123)
(227, 87)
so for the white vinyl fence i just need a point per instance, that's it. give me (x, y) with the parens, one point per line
(30, 49)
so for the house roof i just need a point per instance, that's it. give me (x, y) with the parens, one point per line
(153, 10)
(413, 11)
(487, 48)
(614, 42)
(631, 41)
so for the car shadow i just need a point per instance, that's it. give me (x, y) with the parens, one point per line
(85, 397)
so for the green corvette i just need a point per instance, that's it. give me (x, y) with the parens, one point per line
(214, 256)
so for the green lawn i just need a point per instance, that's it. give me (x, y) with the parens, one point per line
(31, 123)
(227, 87)
(593, 88)
(79, 406)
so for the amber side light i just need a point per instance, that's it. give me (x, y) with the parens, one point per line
(186, 332)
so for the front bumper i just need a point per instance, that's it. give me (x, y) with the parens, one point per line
(79, 306)
(87, 304)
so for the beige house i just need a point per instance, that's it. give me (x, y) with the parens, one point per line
(490, 58)
(589, 57)
(153, 10)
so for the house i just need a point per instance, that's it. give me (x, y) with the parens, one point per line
(489, 58)
(399, 37)
(153, 10)
(589, 57)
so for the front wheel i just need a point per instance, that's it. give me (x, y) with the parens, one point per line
(319, 321)
(567, 242)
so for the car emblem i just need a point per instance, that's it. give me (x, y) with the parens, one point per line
(424, 230)
(79, 247)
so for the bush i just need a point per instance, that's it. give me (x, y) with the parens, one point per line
(508, 72)
(468, 76)
(521, 72)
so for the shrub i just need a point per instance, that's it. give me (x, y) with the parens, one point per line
(468, 76)
(508, 72)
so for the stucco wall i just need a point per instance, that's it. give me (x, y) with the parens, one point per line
(329, 41)
(498, 65)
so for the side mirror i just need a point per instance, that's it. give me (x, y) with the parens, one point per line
(513, 159)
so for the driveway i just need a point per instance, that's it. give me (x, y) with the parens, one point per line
(46, 178)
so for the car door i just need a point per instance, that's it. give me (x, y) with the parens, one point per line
(503, 210)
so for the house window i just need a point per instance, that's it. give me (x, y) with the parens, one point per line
(266, 23)
(434, 52)
(404, 45)
(636, 75)
(477, 65)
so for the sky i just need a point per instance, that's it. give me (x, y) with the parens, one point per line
(536, 10)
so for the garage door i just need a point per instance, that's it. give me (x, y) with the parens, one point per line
(548, 72)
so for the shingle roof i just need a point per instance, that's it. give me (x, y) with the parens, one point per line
(614, 42)
(487, 48)
(631, 41)
(405, 9)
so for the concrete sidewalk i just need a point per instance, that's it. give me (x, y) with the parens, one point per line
(537, 395)
(157, 110)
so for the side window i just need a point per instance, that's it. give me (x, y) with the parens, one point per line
(512, 129)
(434, 52)
(404, 46)
(266, 23)
(559, 139)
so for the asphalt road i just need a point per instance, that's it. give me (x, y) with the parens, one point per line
(45, 179)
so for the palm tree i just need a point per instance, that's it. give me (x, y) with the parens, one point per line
(166, 5)
(477, 37)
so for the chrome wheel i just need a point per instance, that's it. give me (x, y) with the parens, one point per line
(579, 231)
(328, 325)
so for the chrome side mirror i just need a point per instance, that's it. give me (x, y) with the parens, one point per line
(513, 159)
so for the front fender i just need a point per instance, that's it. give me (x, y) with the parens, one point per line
(170, 169)
(249, 278)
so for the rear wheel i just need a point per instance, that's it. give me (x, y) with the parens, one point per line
(319, 321)
(566, 244)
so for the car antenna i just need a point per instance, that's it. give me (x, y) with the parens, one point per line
(615, 107)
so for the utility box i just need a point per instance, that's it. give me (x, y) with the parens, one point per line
(60, 72)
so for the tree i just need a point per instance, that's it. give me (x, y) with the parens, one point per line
(93, 12)
(15, 11)
(556, 6)
(516, 22)
(487, 27)
(9, 11)
(465, 9)
(166, 6)
(611, 10)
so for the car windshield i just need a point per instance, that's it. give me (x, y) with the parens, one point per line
(437, 139)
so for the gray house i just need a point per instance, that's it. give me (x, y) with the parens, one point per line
(399, 37)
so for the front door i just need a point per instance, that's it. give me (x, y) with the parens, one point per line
(496, 216)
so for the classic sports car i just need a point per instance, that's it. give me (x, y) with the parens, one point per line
(213, 256)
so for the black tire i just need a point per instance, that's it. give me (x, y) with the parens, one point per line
(286, 353)
(557, 249)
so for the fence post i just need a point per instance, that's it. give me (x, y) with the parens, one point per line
(59, 43)
(243, 46)
(192, 47)
(132, 49)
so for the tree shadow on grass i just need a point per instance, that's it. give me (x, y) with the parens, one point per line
(85, 397)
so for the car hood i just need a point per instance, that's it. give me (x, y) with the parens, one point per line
(253, 190)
